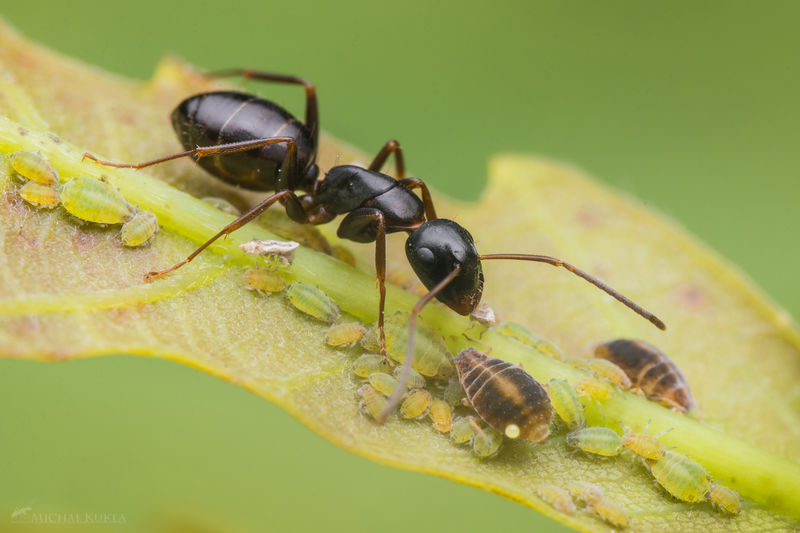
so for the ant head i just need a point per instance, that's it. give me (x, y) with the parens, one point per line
(434, 250)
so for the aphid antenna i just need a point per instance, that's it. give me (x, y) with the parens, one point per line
(591, 279)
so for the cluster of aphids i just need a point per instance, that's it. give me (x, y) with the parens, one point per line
(86, 199)
(479, 400)
(636, 365)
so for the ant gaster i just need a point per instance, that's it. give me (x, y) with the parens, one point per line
(267, 148)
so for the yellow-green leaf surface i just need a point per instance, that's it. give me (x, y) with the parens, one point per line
(70, 291)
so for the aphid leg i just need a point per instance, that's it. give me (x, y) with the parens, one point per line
(591, 279)
(478, 428)
(391, 147)
(286, 195)
(312, 113)
(394, 400)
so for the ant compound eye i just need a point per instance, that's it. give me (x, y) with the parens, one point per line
(426, 255)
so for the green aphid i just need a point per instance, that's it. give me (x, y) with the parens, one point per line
(431, 356)
(344, 334)
(523, 335)
(487, 443)
(566, 404)
(264, 280)
(382, 382)
(585, 493)
(415, 379)
(605, 369)
(596, 440)
(374, 402)
(95, 201)
(681, 476)
(463, 429)
(368, 363)
(644, 445)
(442, 416)
(725, 499)
(416, 404)
(139, 229)
(610, 511)
(559, 498)
(454, 393)
(35, 167)
(312, 301)
(39, 194)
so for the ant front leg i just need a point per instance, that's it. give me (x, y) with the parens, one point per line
(312, 110)
(402, 382)
(391, 147)
(364, 225)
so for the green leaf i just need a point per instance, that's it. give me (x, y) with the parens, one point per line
(69, 291)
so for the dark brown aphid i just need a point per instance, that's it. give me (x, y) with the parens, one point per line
(505, 396)
(650, 370)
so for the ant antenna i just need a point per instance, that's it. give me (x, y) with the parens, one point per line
(402, 382)
(580, 273)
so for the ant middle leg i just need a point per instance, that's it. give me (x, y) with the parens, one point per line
(391, 147)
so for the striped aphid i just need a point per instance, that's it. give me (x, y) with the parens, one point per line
(505, 396)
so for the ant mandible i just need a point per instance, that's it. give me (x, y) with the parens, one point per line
(268, 149)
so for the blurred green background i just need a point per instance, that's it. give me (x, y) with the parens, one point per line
(692, 107)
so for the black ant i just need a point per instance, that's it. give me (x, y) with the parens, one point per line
(269, 149)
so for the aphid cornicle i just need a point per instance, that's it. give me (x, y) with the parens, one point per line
(649, 370)
(681, 476)
(505, 396)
